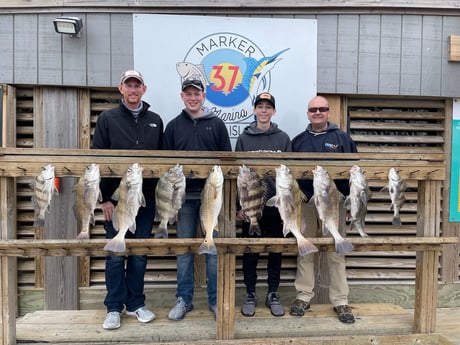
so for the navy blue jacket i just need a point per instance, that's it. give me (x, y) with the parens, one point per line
(330, 140)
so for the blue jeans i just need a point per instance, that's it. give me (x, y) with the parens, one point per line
(125, 285)
(188, 219)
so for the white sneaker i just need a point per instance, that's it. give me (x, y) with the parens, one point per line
(142, 314)
(112, 320)
(179, 310)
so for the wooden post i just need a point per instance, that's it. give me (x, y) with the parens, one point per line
(426, 277)
(225, 320)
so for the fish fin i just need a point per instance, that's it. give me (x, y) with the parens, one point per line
(254, 229)
(272, 201)
(116, 244)
(162, 231)
(324, 229)
(99, 196)
(115, 195)
(84, 235)
(207, 247)
(303, 197)
(343, 246)
(132, 228)
(305, 247)
(91, 219)
(268, 188)
(347, 203)
(142, 200)
(39, 221)
(114, 219)
(396, 221)
(363, 197)
(384, 189)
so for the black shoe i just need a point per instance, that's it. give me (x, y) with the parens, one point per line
(299, 307)
(345, 314)
(273, 302)
(249, 305)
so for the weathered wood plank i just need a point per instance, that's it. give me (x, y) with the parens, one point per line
(448, 4)
(26, 248)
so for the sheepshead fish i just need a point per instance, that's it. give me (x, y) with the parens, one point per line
(327, 202)
(396, 187)
(356, 202)
(130, 199)
(211, 203)
(87, 195)
(44, 189)
(169, 197)
(288, 200)
(251, 196)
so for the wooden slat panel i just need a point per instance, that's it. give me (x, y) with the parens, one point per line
(347, 54)
(6, 53)
(74, 59)
(431, 56)
(411, 59)
(49, 51)
(327, 45)
(369, 54)
(396, 126)
(398, 139)
(390, 54)
(25, 49)
(99, 48)
(396, 115)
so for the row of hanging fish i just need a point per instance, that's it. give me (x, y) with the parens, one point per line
(253, 192)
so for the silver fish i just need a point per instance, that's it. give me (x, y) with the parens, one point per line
(356, 202)
(211, 203)
(251, 197)
(87, 195)
(169, 197)
(130, 199)
(44, 189)
(326, 198)
(396, 187)
(288, 200)
(188, 70)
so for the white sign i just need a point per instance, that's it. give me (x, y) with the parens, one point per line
(236, 58)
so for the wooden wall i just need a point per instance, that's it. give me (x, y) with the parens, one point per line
(376, 54)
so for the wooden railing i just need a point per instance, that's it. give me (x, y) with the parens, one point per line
(429, 172)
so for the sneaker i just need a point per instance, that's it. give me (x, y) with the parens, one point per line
(142, 314)
(213, 310)
(299, 307)
(345, 313)
(179, 310)
(249, 305)
(112, 320)
(273, 302)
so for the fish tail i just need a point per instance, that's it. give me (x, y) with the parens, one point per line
(40, 220)
(254, 229)
(305, 247)
(207, 247)
(116, 244)
(162, 231)
(396, 220)
(84, 235)
(343, 246)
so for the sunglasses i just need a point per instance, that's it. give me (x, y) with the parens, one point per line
(316, 109)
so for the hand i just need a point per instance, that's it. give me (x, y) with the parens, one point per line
(240, 215)
(107, 210)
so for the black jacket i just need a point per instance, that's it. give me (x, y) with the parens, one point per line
(206, 133)
(117, 129)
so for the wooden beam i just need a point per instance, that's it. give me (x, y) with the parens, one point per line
(454, 48)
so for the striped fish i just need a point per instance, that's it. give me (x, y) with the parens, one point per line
(44, 189)
(250, 193)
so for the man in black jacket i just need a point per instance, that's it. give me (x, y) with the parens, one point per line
(130, 126)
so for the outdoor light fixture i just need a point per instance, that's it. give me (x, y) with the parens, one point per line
(68, 25)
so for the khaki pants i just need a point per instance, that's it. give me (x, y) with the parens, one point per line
(305, 276)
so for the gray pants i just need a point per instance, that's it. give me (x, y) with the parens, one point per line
(305, 276)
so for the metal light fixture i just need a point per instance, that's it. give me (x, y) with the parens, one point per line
(68, 25)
